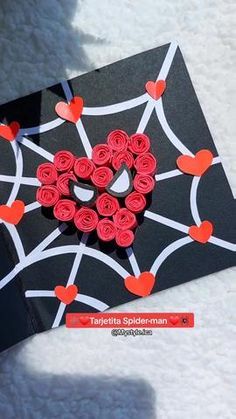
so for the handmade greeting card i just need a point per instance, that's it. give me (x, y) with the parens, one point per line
(111, 189)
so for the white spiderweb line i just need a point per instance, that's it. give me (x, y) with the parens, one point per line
(155, 217)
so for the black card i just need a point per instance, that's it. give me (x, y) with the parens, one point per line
(186, 231)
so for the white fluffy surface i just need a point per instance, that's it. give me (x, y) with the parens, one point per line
(84, 374)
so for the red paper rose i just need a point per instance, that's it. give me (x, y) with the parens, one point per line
(83, 167)
(144, 183)
(101, 177)
(145, 164)
(63, 183)
(64, 210)
(106, 230)
(86, 219)
(135, 202)
(101, 154)
(47, 195)
(107, 205)
(63, 160)
(124, 219)
(139, 143)
(124, 238)
(121, 157)
(118, 140)
(46, 173)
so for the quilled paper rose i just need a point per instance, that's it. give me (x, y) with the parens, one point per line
(139, 143)
(46, 173)
(102, 193)
(106, 230)
(118, 140)
(63, 161)
(146, 164)
(64, 210)
(124, 238)
(84, 167)
(86, 219)
(48, 195)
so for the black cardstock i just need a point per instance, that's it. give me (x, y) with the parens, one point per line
(22, 315)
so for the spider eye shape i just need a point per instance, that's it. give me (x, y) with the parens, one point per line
(122, 183)
(83, 193)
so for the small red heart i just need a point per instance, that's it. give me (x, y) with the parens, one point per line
(155, 88)
(70, 111)
(201, 233)
(66, 294)
(14, 213)
(9, 132)
(196, 165)
(84, 320)
(174, 319)
(142, 285)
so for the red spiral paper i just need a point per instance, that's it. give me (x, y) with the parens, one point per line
(47, 195)
(63, 160)
(86, 219)
(118, 140)
(139, 143)
(106, 230)
(144, 183)
(124, 219)
(135, 202)
(101, 177)
(107, 205)
(101, 154)
(121, 157)
(145, 164)
(83, 167)
(46, 173)
(63, 183)
(64, 210)
(124, 238)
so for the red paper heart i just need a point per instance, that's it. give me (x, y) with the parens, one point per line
(84, 320)
(66, 294)
(14, 213)
(9, 132)
(174, 320)
(142, 285)
(70, 111)
(201, 233)
(196, 165)
(156, 88)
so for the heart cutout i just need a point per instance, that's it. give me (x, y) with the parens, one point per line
(66, 294)
(156, 88)
(12, 214)
(10, 132)
(70, 111)
(142, 285)
(201, 233)
(174, 319)
(196, 165)
(84, 320)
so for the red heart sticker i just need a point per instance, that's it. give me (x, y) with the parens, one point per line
(196, 165)
(10, 132)
(12, 214)
(201, 233)
(84, 320)
(174, 319)
(142, 285)
(66, 294)
(156, 88)
(70, 111)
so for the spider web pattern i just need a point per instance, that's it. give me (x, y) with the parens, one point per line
(40, 252)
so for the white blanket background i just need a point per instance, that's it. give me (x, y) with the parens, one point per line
(87, 374)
